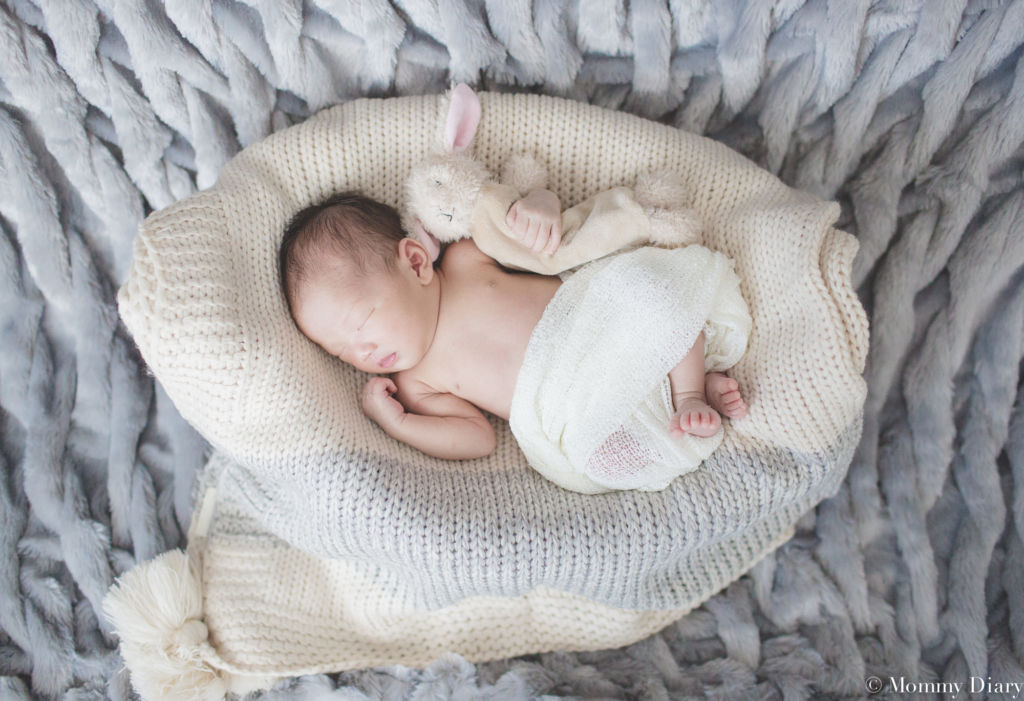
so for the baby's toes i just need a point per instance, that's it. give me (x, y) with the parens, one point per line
(704, 423)
(690, 421)
(736, 408)
(679, 424)
(684, 420)
(713, 420)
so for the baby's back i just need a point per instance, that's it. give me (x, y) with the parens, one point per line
(484, 324)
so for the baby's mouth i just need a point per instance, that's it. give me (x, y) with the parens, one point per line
(388, 361)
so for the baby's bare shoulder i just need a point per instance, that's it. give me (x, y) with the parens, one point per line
(465, 252)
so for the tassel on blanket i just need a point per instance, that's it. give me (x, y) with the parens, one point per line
(156, 609)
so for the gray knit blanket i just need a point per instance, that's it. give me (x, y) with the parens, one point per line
(911, 114)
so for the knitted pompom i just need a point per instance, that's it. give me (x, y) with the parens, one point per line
(670, 228)
(663, 188)
(665, 199)
(156, 609)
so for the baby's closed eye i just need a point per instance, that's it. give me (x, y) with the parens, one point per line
(340, 353)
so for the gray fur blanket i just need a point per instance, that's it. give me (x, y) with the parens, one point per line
(910, 114)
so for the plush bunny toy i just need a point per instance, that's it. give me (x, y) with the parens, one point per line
(451, 195)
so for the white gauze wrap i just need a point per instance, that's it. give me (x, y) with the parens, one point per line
(592, 401)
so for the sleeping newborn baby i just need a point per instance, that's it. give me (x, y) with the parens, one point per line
(449, 339)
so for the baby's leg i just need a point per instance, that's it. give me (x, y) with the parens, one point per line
(693, 413)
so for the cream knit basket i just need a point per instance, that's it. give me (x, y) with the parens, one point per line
(321, 544)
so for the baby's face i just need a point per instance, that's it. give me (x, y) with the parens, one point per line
(382, 324)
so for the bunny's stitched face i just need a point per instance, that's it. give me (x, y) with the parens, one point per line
(442, 192)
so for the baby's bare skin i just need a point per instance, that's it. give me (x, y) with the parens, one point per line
(485, 320)
(452, 338)
(486, 317)
(455, 337)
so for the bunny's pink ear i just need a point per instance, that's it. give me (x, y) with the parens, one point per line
(428, 240)
(463, 118)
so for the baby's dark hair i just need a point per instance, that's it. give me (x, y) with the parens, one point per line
(348, 225)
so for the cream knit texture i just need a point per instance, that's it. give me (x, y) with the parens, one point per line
(593, 400)
(464, 549)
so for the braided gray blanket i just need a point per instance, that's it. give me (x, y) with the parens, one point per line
(910, 579)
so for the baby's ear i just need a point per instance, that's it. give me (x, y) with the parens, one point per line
(463, 118)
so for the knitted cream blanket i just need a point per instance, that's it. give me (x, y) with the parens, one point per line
(592, 401)
(333, 546)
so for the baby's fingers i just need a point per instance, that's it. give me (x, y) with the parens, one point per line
(532, 231)
(379, 386)
(554, 242)
(519, 223)
(543, 238)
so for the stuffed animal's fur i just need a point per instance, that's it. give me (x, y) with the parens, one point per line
(451, 195)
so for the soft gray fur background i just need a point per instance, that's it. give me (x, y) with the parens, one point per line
(909, 112)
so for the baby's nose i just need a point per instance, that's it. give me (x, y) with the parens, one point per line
(364, 349)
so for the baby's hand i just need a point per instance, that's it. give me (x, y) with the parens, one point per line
(536, 221)
(378, 403)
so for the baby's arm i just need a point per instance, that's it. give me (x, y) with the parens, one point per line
(537, 220)
(438, 423)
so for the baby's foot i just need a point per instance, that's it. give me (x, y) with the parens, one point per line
(693, 415)
(723, 394)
